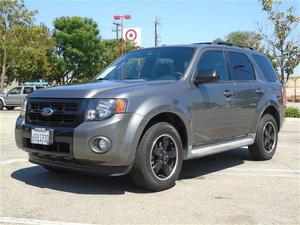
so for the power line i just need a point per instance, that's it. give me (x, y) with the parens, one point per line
(157, 37)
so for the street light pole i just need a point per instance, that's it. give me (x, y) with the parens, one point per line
(122, 39)
(127, 17)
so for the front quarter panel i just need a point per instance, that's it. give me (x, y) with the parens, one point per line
(2, 98)
(174, 98)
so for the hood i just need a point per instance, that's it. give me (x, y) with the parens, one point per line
(96, 89)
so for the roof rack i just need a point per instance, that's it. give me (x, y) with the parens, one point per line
(227, 44)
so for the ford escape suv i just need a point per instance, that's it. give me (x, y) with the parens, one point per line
(153, 108)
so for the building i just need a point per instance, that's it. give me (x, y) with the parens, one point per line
(293, 89)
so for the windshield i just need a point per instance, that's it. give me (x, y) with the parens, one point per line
(166, 63)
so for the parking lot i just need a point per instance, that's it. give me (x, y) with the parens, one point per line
(228, 188)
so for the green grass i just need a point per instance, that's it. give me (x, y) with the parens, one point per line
(292, 112)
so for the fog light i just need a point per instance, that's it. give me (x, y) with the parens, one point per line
(100, 144)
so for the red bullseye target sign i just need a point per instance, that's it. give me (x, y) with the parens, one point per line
(133, 34)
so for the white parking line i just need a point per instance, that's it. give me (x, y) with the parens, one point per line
(13, 161)
(14, 220)
(267, 172)
(259, 175)
(266, 169)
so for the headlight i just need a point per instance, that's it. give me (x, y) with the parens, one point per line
(99, 109)
(23, 107)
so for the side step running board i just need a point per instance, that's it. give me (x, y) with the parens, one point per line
(206, 150)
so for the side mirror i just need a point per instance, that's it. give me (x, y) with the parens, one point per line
(206, 76)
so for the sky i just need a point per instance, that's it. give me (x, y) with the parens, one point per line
(182, 21)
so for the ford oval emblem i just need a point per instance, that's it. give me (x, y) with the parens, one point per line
(47, 111)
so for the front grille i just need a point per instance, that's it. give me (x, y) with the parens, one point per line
(60, 106)
(67, 112)
(59, 147)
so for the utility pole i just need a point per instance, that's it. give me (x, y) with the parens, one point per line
(117, 29)
(156, 35)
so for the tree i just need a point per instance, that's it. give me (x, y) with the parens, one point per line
(248, 38)
(110, 51)
(77, 52)
(36, 46)
(218, 40)
(283, 48)
(12, 14)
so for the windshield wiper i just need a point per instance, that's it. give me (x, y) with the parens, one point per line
(103, 78)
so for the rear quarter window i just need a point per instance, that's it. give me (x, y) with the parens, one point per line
(265, 67)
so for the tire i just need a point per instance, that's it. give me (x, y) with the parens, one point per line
(155, 168)
(9, 107)
(1, 105)
(265, 145)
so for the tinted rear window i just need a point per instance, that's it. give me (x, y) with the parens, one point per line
(266, 68)
(241, 68)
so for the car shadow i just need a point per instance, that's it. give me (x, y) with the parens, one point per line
(198, 168)
(90, 184)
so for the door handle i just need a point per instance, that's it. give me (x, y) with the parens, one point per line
(259, 91)
(228, 93)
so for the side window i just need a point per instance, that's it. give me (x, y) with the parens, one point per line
(266, 67)
(213, 60)
(15, 91)
(241, 67)
(27, 90)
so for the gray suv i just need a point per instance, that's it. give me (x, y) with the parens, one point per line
(153, 108)
(14, 97)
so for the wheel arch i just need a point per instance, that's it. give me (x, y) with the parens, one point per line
(173, 119)
(274, 111)
(2, 99)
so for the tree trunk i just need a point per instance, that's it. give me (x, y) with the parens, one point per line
(282, 74)
(4, 70)
(281, 65)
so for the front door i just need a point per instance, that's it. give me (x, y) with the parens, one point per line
(213, 116)
(13, 96)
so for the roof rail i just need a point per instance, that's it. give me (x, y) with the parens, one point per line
(227, 44)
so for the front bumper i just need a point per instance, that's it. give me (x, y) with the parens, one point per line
(121, 129)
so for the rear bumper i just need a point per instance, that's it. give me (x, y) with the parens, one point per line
(121, 129)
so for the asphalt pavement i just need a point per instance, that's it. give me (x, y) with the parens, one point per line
(227, 188)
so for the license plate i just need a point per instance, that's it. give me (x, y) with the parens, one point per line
(41, 136)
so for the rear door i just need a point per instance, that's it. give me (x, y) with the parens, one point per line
(248, 91)
(212, 113)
